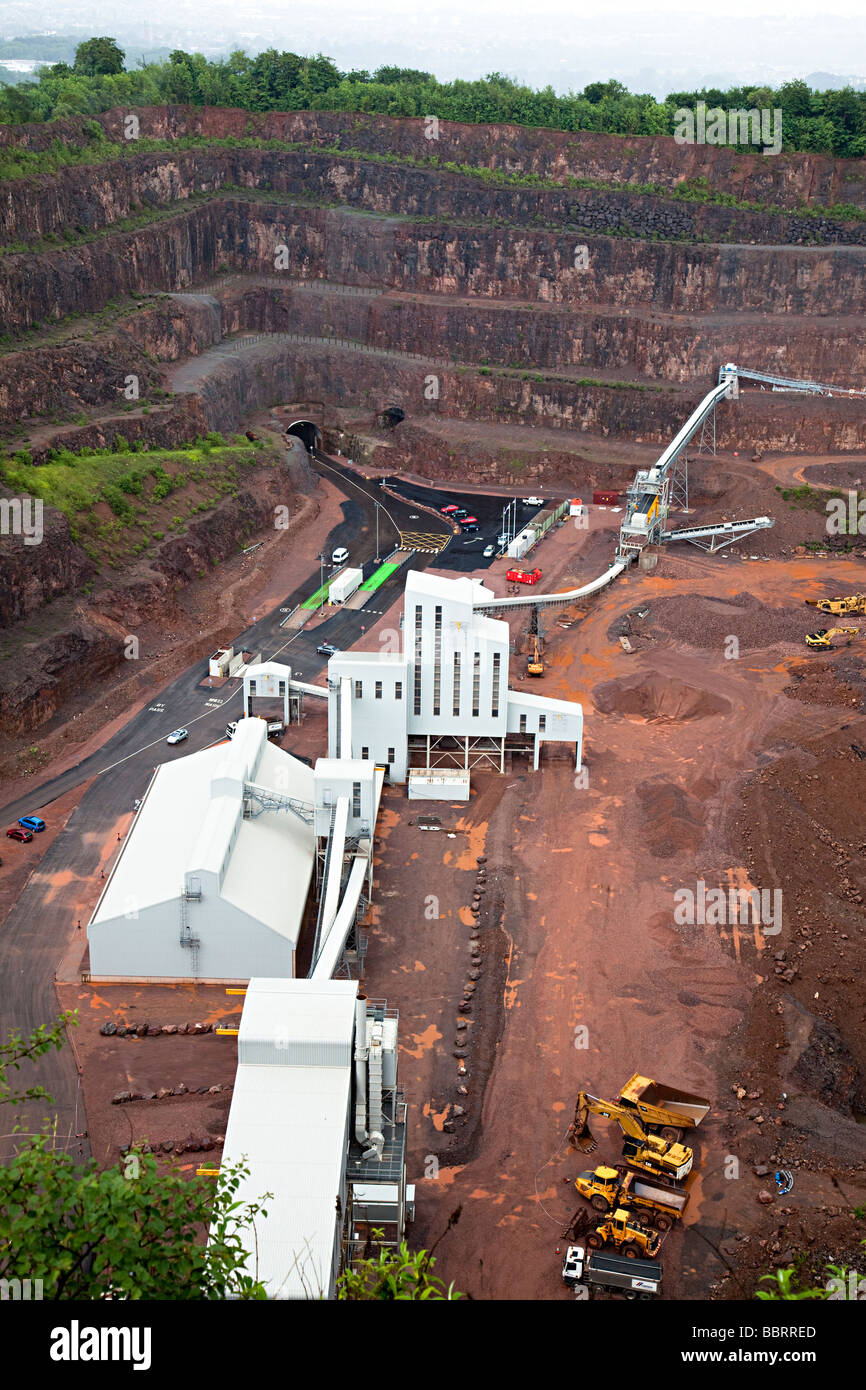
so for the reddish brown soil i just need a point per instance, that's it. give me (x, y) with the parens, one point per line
(577, 930)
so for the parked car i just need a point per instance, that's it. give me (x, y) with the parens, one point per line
(177, 736)
(31, 823)
(469, 525)
(533, 501)
(327, 649)
(447, 511)
(489, 550)
(469, 521)
(460, 513)
(17, 833)
(339, 556)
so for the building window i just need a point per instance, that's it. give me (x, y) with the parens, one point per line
(418, 649)
(456, 701)
(378, 690)
(398, 690)
(523, 723)
(365, 753)
(542, 723)
(437, 658)
(390, 755)
(476, 682)
(494, 705)
(359, 689)
(356, 799)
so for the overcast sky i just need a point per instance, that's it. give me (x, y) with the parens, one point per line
(564, 43)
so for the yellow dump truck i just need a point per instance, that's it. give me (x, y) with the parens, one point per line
(609, 1188)
(664, 1110)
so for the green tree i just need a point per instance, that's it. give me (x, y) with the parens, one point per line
(123, 1232)
(395, 1273)
(99, 57)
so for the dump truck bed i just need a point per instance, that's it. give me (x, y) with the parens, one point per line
(664, 1104)
(675, 1198)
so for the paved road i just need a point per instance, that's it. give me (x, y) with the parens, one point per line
(35, 936)
(467, 552)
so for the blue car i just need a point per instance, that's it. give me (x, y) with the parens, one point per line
(31, 822)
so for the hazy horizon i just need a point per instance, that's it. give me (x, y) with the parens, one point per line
(569, 45)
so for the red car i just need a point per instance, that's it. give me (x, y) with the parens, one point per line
(469, 521)
(523, 576)
(16, 833)
(446, 511)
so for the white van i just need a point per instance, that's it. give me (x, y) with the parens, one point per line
(339, 556)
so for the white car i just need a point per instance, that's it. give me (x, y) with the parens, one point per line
(339, 556)
(533, 501)
(489, 550)
(178, 736)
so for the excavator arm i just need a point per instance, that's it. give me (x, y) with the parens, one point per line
(580, 1135)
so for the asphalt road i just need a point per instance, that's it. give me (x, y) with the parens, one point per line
(466, 553)
(35, 935)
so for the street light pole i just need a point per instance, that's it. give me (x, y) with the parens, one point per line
(321, 578)
(376, 505)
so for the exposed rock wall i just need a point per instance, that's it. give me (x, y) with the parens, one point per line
(66, 201)
(482, 261)
(784, 180)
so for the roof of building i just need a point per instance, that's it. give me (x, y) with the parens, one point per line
(289, 1123)
(191, 822)
(545, 702)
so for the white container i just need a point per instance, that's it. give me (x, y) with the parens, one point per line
(344, 585)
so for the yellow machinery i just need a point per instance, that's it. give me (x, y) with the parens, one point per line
(628, 1235)
(609, 1188)
(822, 640)
(652, 1118)
(852, 603)
(535, 666)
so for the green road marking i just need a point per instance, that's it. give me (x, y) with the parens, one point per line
(378, 577)
(318, 597)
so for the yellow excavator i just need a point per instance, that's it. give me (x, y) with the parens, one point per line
(642, 1107)
(822, 640)
(852, 603)
(535, 665)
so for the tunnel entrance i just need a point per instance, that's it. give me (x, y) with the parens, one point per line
(309, 434)
(391, 416)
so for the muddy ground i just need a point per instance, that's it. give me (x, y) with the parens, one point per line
(734, 771)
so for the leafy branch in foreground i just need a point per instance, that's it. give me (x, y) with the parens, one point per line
(17, 1049)
(394, 1273)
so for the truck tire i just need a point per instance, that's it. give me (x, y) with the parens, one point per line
(632, 1251)
(663, 1222)
(670, 1134)
(600, 1203)
(595, 1241)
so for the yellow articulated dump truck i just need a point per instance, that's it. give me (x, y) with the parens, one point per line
(609, 1188)
(652, 1118)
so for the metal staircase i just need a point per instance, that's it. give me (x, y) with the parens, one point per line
(191, 892)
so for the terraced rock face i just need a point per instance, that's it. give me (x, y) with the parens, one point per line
(582, 284)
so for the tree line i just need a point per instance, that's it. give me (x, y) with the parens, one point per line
(826, 122)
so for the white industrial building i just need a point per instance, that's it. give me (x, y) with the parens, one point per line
(212, 880)
(443, 706)
(214, 877)
(319, 1122)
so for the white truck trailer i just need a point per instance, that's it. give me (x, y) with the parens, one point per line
(592, 1268)
(344, 585)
